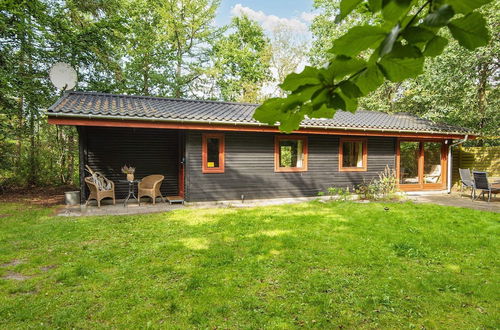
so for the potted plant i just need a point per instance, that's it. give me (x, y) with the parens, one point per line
(129, 171)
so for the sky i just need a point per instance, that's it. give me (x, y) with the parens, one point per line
(295, 13)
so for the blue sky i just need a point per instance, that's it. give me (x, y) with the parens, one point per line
(283, 9)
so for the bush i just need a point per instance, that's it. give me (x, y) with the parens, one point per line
(385, 187)
(342, 194)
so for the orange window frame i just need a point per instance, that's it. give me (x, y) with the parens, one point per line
(204, 152)
(364, 142)
(277, 140)
(421, 185)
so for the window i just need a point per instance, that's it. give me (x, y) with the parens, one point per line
(213, 153)
(353, 154)
(290, 153)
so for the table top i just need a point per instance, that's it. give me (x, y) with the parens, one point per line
(127, 181)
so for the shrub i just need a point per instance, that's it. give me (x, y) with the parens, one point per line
(385, 187)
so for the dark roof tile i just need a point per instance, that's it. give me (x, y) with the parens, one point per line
(139, 107)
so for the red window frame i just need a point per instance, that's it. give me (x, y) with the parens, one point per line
(277, 140)
(364, 142)
(204, 153)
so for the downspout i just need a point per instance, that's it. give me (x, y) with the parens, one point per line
(450, 160)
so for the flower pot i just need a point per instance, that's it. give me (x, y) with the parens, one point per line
(72, 197)
(130, 177)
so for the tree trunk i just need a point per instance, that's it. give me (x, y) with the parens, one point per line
(483, 75)
(20, 124)
(32, 174)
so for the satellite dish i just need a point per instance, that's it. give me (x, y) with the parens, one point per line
(63, 76)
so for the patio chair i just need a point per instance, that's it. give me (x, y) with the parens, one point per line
(467, 181)
(435, 174)
(150, 187)
(481, 183)
(100, 187)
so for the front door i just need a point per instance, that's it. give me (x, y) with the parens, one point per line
(421, 164)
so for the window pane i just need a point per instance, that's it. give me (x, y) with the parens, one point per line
(352, 154)
(291, 153)
(409, 153)
(213, 145)
(432, 162)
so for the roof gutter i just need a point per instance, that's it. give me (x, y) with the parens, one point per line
(450, 159)
(89, 116)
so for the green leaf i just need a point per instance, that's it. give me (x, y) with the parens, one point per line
(435, 46)
(403, 63)
(290, 121)
(319, 99)
(358, 39)
(269, 111)
(466, 6)
(350, 89)
(342, 66)
(388, 42)
(439, 17)
(369, 80)
(292, 101)
(351, 104)
(346, 6)
(417, 34)
(375, 5)
(470, 31)
(305, 93)
(323, 112)
(393, 9)
(308, 76)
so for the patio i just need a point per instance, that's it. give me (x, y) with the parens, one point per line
(460, 200)
(107, 208)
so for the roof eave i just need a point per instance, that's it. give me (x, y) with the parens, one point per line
(215, 122)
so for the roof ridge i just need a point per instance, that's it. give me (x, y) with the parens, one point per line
(158, 98)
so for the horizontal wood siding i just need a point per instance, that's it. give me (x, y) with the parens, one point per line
(486, 159)
(150, 151)
(249, 168)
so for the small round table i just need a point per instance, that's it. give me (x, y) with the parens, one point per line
(131, 190)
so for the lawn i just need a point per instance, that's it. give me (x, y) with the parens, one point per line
(323, 265)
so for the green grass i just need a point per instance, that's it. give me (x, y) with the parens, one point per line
(313, 265)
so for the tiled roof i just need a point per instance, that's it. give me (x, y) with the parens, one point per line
(108, 106)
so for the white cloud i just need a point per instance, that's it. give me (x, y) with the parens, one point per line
(271, 22)
(308, 17)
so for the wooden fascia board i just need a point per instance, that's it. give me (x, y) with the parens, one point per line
(241, 128)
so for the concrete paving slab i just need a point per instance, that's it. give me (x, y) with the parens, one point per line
(460, 200)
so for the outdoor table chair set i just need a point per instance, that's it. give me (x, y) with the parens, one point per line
(101, 187)
(478, 181)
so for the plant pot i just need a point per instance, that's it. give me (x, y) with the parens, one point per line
(72, 197)
(130, 177)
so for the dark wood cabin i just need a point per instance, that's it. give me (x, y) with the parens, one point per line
(212, 151)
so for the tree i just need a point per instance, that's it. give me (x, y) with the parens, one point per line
(187, 26)
(22, 71)
(242, 60)
(401, 34)
(288, 53)
(461, 86)
(148, 58)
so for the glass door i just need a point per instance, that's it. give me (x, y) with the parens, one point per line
(421, 165)
(409, 156)
(433, 169)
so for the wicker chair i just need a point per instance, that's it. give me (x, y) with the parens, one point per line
(99, 194)
(150, 187)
